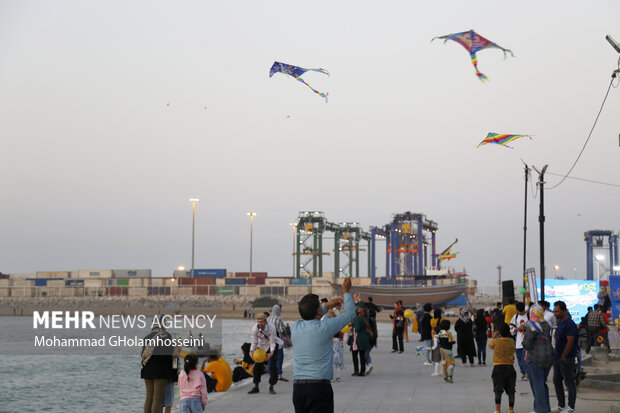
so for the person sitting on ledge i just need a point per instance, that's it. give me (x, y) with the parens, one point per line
(245, 366)
(220, 377)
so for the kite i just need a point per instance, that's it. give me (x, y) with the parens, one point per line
(446, 254)
(296, 72)
(473, 42)
(500, 139)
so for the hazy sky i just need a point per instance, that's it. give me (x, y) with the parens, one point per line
(114, 113)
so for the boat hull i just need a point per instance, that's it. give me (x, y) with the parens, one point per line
(385, 296)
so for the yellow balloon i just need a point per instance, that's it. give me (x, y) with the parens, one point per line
(346, 329)
(408, 313)
(259, 355)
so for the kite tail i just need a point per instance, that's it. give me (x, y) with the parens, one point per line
(325, 72)
(480, 75)
(321, 94)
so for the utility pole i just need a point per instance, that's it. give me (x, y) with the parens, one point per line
(541, 220)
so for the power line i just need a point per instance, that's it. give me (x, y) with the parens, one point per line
(613, 76)
(586, 180)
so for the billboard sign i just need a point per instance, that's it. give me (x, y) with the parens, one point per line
(577, 294)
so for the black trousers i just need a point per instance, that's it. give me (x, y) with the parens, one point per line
(211, 383)
(313, 397)
(239, 374)
(259, 369)
(361, 369)
(504, 380)
(469, 356)
(397, 335)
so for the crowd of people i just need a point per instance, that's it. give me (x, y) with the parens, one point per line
(540, 338)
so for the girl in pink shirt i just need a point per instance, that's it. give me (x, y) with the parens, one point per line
(193, 387)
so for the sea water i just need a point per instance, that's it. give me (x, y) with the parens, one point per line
(89, 383)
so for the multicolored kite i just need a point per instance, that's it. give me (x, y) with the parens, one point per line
(446, 254)
(296, 72)
(473, 42)
(500, 139)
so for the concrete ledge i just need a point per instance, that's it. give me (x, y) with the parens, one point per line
(600, 354)
(603, 381)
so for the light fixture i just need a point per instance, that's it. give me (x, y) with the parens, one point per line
(613, 43)
(600, 257)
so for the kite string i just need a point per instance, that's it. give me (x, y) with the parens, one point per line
(589, 135)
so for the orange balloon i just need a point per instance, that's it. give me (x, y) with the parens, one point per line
(259, 355)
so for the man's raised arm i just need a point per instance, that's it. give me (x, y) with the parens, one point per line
(336, 324)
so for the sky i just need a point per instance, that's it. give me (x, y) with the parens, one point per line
(114, 113)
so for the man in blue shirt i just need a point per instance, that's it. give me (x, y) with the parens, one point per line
(313, 356)
(565, 352)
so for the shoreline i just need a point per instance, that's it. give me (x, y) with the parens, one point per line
(228, 308)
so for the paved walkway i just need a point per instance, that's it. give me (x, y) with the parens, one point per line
(401, 383)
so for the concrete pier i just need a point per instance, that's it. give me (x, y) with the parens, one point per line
(401, 383)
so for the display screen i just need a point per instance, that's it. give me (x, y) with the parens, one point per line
(577, 294)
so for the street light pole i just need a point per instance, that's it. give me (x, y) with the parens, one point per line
(251, 215)
(294, 226)
(193, 201)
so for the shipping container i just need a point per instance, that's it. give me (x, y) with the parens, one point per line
(131, 273)
(217, 273)
(86, 274)
(256, 281)
(298, 290)
(183, 291)
(275, 290)
(136, 282)
(220, 281)
(22, 292)
(56, 283)
(5, 282)
(74, 283)
(254, 274)
(227, 290)
(137, 291)
(116, 291)
(158, 290)
(5, 291)
(235, 281)
(94, 283)
(180, 274)
(22, 283)
(204, 290)
(327, 292)
(53, 274)
(276, 282)
(157, 282)
(301, 281)
(22, 276)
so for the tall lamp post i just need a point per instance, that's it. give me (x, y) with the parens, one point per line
(251, 215)
(193, 201)
(294, 226)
